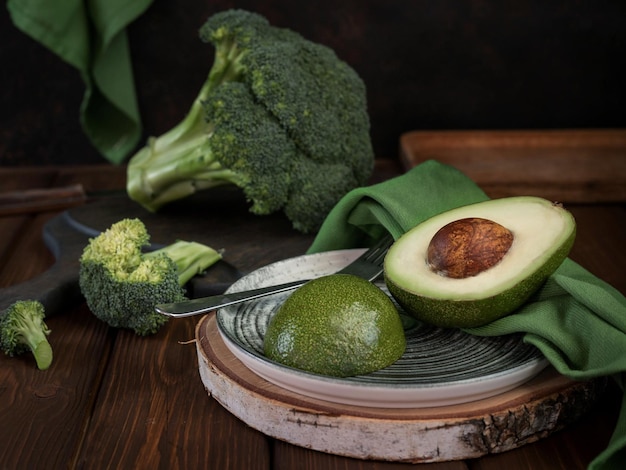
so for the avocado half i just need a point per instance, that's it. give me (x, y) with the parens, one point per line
(543, 235)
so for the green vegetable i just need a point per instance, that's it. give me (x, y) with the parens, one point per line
(121, 284)
(279, 116)
(22, 328)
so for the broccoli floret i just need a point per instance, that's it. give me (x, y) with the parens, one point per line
(22, 328)
(279, 116)
(122, 284)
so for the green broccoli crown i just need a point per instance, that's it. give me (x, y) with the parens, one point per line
(129, 302)
(273, 103)
(121, 284)
(233, 33)
(318, 99)
(22, 328)
(234, 28)
(253, 145)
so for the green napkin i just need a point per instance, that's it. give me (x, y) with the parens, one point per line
(90, 35)
(395, 206)
(577, 320)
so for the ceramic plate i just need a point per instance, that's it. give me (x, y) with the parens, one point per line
(440, 367)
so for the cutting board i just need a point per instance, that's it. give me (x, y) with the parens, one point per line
(530, 412)
(216, 219)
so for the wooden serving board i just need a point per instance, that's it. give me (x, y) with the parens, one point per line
(530, 412)
(575, 166)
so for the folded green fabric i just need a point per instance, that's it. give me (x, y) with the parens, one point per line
(577, 320)
(395, 206)
(90, 35)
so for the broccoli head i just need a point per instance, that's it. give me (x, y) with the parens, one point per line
(279, 116)
(22, 328)
(122, 284)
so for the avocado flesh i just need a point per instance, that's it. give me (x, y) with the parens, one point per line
(544, 233)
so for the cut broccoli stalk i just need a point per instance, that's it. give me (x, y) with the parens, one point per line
(22, 328)
(191, 258)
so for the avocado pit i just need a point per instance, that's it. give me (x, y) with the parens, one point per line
(467, 247)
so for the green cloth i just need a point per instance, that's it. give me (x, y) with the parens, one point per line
(577, 320)
(90, 35)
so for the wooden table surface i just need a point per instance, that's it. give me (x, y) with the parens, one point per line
(115, 400)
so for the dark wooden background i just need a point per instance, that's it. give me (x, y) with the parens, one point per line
(449, 64)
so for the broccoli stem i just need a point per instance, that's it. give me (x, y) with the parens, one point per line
(43, 354)
(191, 258)
(179, 162)
(32, 332)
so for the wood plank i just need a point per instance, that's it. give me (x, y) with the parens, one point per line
(41, 200)
(153, 412)
(26, 391)
(288, 457)
(20, 233)
(99, 178)
(92, 177)
(562, 165)
(22, 239)
(52, 406)
(14, 178)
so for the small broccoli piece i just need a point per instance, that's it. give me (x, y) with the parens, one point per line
(121, 284)
(22, 328)
(279, 116)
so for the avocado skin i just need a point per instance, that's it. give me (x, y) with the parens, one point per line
(474, 313)
(327, 335)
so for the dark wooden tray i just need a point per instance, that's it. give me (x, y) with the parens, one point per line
(576, 166)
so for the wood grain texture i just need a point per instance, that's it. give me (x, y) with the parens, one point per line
(45, 412)
(160, 419)
(41, 200)
(497, 424)
(289, 457)
(582, 166)
(101, 386)
(25, 233)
